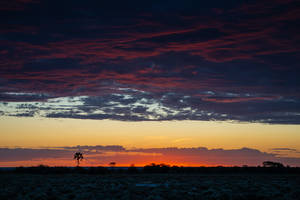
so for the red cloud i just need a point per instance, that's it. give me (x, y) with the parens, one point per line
(242, 39)
(249, 36)
(239, 99)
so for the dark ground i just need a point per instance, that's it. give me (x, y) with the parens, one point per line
(149, 186)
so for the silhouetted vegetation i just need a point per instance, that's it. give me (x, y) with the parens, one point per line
(112, 164)
(79, 157)
(42, 169)
(157, 168)
(153, 168)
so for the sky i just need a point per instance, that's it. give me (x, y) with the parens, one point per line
(194, 83)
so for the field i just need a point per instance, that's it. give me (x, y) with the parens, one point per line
(149, 186)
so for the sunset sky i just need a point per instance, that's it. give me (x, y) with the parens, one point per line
(193, 83)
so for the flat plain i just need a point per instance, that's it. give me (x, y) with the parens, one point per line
(149, 186)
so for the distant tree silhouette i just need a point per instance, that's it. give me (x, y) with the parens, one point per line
(157, 168)
(112, 164)
(272, 164)
(78, 156)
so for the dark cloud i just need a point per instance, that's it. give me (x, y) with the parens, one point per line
(16, 5)
(283, 149)
(136, 60)
(23, 97)
(135, 105)
(115, 148)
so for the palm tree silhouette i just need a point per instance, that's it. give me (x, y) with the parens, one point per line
(78, 156)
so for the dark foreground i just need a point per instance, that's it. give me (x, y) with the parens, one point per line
(149, 186)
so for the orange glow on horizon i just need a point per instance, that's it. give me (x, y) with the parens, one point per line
(43, 133)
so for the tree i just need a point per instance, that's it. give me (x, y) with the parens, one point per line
(78, 156)
(112, 164)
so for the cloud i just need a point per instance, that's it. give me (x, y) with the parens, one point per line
(283, 149)
(137, 105)
(98, 155)
(15, 5)
(91, 149)
(24, 154)
(152, 61)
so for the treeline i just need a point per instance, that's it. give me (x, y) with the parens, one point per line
(152, 168)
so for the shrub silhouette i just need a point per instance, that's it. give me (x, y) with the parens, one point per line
(156, 168)
(112, 164)
(78, 156)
